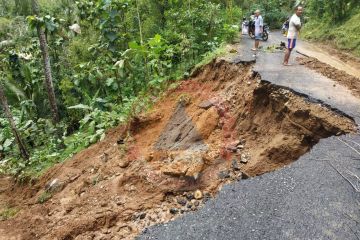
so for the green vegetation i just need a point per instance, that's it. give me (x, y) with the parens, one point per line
(274, 12)
(335, 22)
(209, 56)
(8, 213)
(44, 197)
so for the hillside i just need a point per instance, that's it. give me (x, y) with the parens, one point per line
(121, 118)
(344, 36)
(222, 125)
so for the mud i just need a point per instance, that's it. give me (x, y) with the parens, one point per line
(222, 125)
(344, 79)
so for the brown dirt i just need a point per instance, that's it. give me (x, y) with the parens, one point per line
(345, 56)
(334, 57)
(344, 79)
(222, 125)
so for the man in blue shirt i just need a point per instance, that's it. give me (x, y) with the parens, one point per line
(259, 27)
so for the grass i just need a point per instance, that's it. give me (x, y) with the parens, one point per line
(8, 213)
(344, 36)
(208, 57)
(43, 158)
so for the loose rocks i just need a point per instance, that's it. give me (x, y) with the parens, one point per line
(124, 163)
(198, 195)
(187, 164)
(244, 159)
(54, 186)
(174, 211)
(182, 201)
(189, 196)
(224, 174)
(206, 105)
(235, 165)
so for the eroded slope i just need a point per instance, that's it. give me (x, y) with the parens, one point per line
(222, 125)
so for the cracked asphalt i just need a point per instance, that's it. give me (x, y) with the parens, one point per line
(316, 197)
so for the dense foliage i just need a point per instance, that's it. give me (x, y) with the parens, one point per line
(336, 22)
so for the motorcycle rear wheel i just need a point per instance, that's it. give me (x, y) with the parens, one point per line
(251, 34)
(265, 36)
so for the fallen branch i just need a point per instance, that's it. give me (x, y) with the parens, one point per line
(302, 54)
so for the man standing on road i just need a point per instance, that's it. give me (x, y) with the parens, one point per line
(259, 24)
(294, 29)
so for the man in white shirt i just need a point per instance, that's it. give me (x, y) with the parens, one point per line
(259, 25)
(293, 32)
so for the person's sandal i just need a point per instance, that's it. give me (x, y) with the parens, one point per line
(287, 64)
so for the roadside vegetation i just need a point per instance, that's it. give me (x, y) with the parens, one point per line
(334, 22)
(7, 213)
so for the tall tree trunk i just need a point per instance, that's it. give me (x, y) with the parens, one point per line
(229, 6)
(162, 8)
(139, 22)
(47, 66)
(4, 103)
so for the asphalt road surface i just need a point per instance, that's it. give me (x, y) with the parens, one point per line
(316, 197)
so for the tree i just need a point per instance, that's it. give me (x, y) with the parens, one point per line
(139, 22)
(47, 67)
(4, 103)
(22, 7)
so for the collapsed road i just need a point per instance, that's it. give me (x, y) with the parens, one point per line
(316, 197)
(243, 149)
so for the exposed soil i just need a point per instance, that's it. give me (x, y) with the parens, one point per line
(222, 125)
(334, 57)
(343, 55)
(349, 81)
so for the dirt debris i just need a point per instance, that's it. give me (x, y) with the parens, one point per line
(344, 79)
(222, 125)
(346, 57)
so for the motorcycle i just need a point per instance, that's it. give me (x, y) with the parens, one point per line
(285, 28)
(265, 34)
(244, 27)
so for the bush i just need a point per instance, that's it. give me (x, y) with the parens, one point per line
(344, 36)
(5, 25)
